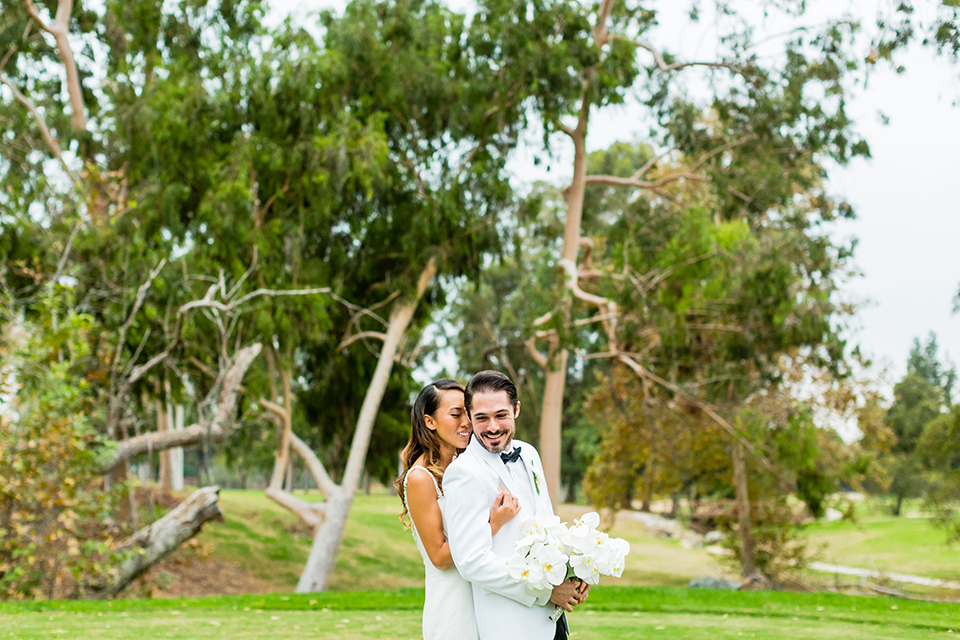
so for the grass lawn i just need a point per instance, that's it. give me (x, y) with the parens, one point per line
(261, 548)
(267, 546)
(654, 561)
(900, 545)
(611, 612)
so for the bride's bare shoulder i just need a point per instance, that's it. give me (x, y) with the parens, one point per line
(421, 486)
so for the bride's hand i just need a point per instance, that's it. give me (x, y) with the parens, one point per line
(505, 507)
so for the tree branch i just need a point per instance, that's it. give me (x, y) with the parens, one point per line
(163, 537)
(347, 341)
(276, 409)
(309, 512)
(216, 430)
(580, 294)
(138, 302)
(600, 35)
(44, 130)
(209, 302)
(724, 147)
(538, 357)
(317, 470)
(60, 30)
(614, 181)
(663, 66)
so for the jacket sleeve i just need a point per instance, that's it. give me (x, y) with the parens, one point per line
(471, 543)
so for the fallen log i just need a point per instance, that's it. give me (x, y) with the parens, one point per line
(157, 541)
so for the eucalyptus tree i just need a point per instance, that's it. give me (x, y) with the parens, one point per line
(602, 52)
(94, 206)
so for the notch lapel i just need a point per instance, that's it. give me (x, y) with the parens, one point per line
(495, 463)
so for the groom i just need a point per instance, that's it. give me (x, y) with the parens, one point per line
(505, 609)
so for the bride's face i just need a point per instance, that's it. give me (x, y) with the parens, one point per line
(450, 420)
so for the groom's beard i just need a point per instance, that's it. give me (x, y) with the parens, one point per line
(501, 446)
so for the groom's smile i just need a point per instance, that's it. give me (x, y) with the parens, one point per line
(494, 420)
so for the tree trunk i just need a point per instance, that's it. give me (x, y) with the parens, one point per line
(163, 537)
(166, 464)
(552, 415)
(747, 551)
(282, 464)
(326, 542)
(551, 418)
(899, 505)
(176, 454)
(645, 504)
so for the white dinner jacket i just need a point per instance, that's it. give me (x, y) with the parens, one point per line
(505, 609)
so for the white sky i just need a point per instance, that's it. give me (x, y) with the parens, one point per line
(907, 196)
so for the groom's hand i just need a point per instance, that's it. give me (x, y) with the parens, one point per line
(584, 590)
(566, 595)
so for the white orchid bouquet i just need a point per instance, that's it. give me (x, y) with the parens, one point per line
(549, 552)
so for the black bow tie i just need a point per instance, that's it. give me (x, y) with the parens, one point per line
(513, 456)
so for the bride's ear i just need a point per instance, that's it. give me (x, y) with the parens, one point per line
(430, 422)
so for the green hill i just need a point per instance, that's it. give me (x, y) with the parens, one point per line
(261, 548)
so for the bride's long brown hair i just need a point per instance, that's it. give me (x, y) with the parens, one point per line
(423, 440)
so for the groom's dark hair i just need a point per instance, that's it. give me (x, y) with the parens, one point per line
(489, 382)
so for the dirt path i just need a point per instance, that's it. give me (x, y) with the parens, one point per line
(896, 577)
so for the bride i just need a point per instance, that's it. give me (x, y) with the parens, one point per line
(440, 430)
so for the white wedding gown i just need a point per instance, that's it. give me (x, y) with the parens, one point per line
(448, 608)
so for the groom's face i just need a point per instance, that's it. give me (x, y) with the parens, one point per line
(494, 420)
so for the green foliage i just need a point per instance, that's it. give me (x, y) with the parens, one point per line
(56, 539)
(924, 362)
(939, 450)
(920, 400)
(648, 448)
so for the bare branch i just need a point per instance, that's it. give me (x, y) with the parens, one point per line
(9, 54)
(538, 357)
(663, 66)
(52, 143)
(208, 301)
(60, 30)
(614, 181)
(246, 274)
(317, 470)
(600, 35)
(216, 430)
(138, 302)
(161, 538)
(544, 319)
(567, 130)
(571, 270)
(62, 262)
(276, 409)
(363, 335)
(139, 371)
(309, 512)
(600, 317)
(725, 147)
